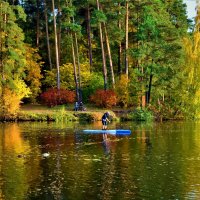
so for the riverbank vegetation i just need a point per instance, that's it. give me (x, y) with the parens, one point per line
(61, 113)
(140, 56)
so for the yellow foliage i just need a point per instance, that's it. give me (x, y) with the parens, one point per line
(9, 103)
(13, 140)
(11, 98)
(33, 69)
(67, 76)
(21, 89)
(192, 71)
(197, 99)
(192, 60)
(122, 90)
(85, 73)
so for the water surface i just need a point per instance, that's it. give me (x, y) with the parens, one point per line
(157, 161)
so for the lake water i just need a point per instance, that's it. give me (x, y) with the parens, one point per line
(157, 161)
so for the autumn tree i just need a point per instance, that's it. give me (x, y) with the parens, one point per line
(12, 59)
(33, 72)
(191, 96)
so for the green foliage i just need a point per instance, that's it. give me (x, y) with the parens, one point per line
(12, 60)
(94, 83)
(58, 115)
(68, 11)
(141, 115)
(178, 17)
(19, 12)
(12, 46)
(157, 68)
(97, 17)
(72, 27)
(31, 117)
(159, 55)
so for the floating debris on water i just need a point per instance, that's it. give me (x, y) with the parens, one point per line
(45, 155)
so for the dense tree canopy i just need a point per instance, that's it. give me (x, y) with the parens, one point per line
(142, 50)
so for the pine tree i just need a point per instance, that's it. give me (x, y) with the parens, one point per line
(159, 51)
(12, 58)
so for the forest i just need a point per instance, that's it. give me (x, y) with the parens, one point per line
(133, 54)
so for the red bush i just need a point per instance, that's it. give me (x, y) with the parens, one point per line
(104, 98)
(53, 97)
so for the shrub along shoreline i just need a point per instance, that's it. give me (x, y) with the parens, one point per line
(58, 113)
(67, 113)
(62, 116)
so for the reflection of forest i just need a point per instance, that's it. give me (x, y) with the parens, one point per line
(12, 168)
(191, 167)
(84, 165)
(17, 167)
(114, 180)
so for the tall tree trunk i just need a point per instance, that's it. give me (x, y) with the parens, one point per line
(1, 46)
(59, 32)
(126, 45)
(47, 35)
(89, 37)
(103, 53)
(110, 56)
(79, 67)
(56, 46)
(149, 89)
(119, 58)
(3, 22)
(119, 47)
(79, 70)
(75, 71)
(142, 95)
(38, 25)
(143, 89)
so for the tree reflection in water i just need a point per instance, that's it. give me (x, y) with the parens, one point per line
(97, 166)
(106, 144)
(57, 185)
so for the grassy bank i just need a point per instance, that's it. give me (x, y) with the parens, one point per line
(66, 113)
(59, 113)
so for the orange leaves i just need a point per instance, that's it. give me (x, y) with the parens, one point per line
(104, 98)
(53, 97)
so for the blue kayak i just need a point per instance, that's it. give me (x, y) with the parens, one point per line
(113, 132)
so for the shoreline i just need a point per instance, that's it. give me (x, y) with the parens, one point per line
(40, 113)
(59, 113)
